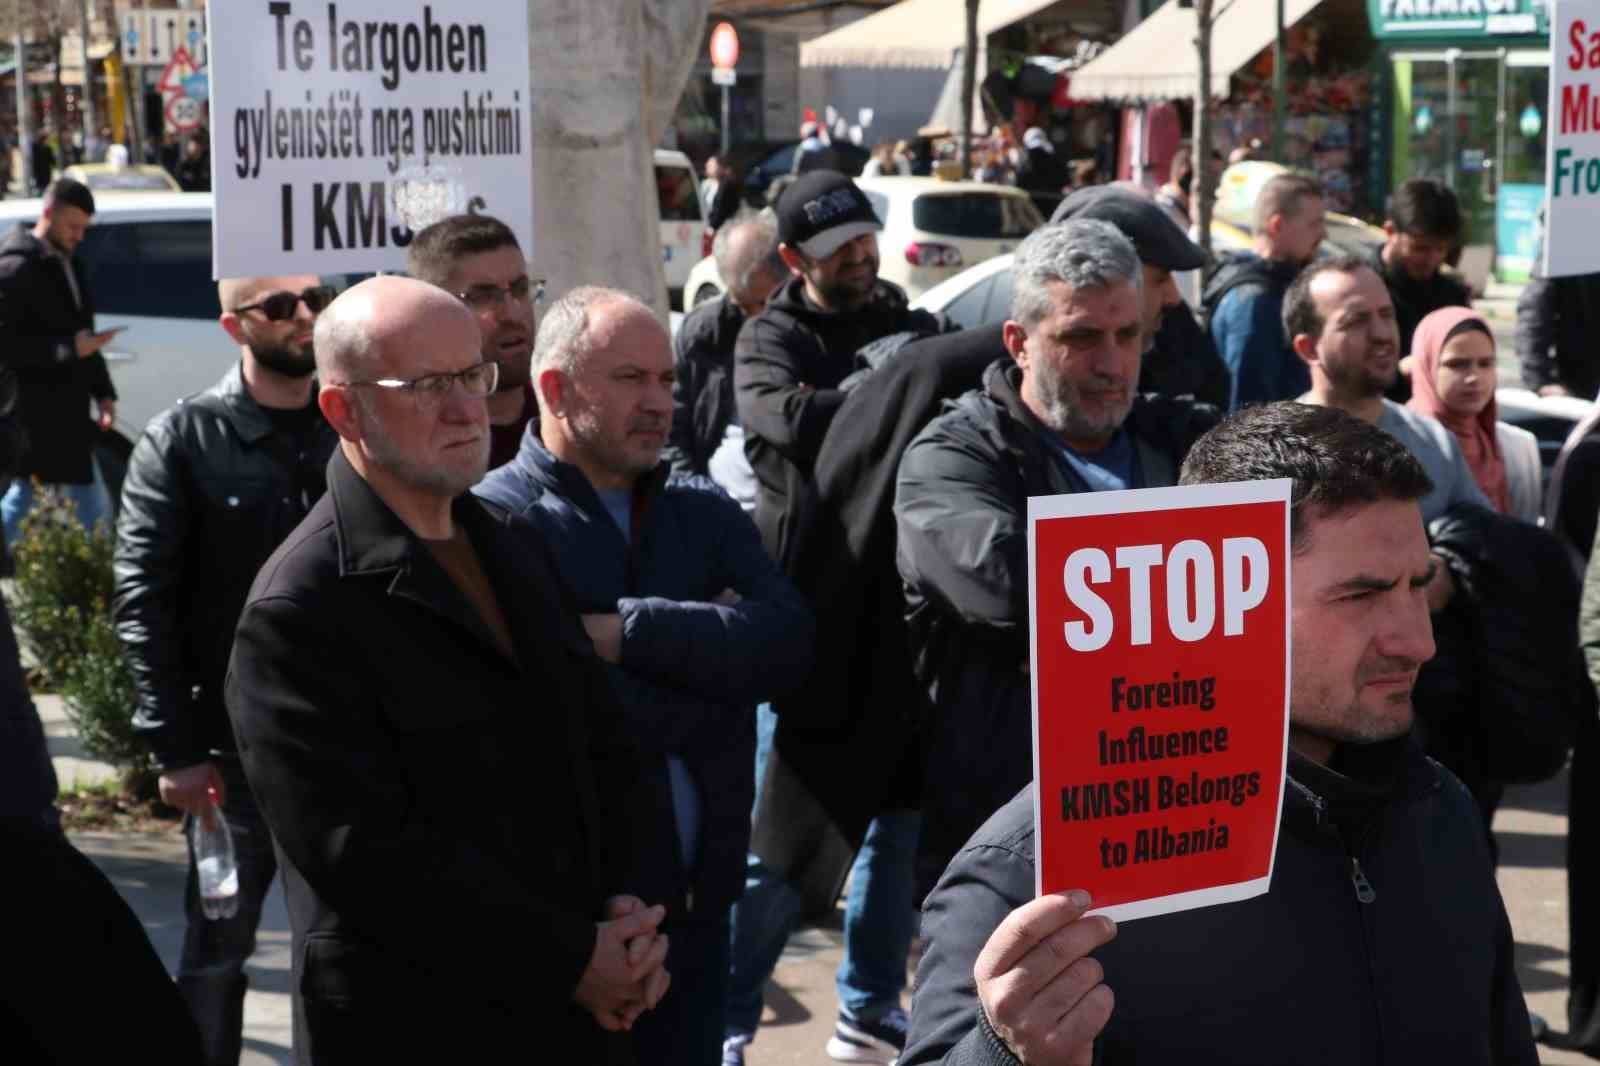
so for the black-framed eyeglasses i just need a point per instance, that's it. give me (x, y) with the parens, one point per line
(490, 297)
(280, 305)
(429, 390)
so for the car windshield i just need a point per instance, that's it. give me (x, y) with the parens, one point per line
(975, 214)
(125, 181)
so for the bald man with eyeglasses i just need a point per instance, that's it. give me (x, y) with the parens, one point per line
(432, 738)
(214, 485)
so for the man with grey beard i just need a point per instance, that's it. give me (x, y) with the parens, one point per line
(1059, 415)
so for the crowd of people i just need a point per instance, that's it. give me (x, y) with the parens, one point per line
(506, 632)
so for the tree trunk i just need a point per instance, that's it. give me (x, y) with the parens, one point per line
(969, 78)
(606, 77)
(1203, 189)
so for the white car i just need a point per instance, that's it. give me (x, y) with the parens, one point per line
(932, 229)
(683, 220)
(148, 263)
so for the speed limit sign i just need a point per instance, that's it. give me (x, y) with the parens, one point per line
(183, 113)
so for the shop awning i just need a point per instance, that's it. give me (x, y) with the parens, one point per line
(1128, 70)
(913, 34)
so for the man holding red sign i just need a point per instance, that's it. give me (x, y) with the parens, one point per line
(1383, 937)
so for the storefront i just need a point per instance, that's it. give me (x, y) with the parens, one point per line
(1327, 114)
(1465, 88)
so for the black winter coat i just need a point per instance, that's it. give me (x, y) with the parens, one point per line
(212, 488)
(788, 363)
(1304, 974)
(1501, 700)
(702, 388)
(39, 321)
(960, 511)
(852, 737)
(450, 820)
(692, 670)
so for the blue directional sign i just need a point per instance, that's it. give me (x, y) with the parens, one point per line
(197, 86)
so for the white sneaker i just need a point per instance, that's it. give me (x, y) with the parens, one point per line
(880, 1040)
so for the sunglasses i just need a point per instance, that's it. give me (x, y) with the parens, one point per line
(281, 305)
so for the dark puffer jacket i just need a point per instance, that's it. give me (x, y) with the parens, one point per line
(1501, 700)
(788, 363)
(1306, 974)
(702, 386)
(961, 503)
(692, 669)
(212, 489)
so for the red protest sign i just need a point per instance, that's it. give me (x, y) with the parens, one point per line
(1160, 665)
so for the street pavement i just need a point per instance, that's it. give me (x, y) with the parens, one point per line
(148, 869)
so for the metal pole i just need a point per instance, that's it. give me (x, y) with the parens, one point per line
(86, 99)
(1278, 103)
(727, 132)
(24, 140)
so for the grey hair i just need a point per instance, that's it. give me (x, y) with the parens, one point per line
(563, 342)
(1084, 253)
(738, 265)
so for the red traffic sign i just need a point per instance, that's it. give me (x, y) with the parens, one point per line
(725, 46)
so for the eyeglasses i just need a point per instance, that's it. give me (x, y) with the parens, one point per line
(490, 297)
(281, 305)
(430, 390)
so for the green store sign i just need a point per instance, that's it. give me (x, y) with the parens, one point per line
(1416, 20)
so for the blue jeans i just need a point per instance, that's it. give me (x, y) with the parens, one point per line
(91, 503)
(879, 919)
(211, 969)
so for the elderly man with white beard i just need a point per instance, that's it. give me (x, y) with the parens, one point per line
(1059, 415)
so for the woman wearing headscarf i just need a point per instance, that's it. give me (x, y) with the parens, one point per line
(1453, 380)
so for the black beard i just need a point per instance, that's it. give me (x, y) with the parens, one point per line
(285, 361)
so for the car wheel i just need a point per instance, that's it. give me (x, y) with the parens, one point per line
(705, 293)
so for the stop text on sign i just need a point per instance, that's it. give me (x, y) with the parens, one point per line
(1191, 579)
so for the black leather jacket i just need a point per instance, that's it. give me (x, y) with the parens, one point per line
(212, 487)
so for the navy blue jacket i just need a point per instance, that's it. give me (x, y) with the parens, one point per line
(692, 670)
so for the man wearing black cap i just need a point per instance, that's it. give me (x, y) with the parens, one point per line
(47, 335)
(790, 359)
(789, 363)
(1059, 412)
(1179, 358)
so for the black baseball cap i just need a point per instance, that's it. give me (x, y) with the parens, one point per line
(1156, 238)
(821, 211)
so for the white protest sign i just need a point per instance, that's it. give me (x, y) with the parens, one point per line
(1572, 206)
(340, 129)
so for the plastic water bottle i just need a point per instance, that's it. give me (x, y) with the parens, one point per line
(214, 862)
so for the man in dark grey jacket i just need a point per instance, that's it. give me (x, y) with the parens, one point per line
(702, 351)
(214, 485)
(1059, 415)
(1383, 938)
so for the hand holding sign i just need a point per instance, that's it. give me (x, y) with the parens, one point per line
(1040, 990)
